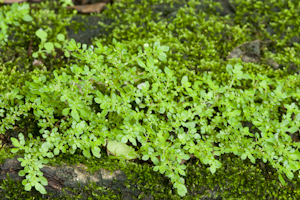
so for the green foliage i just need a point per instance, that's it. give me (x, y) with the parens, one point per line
(275, 22)
(160, 84)
(10, 189)
(270, 19)
(49, 46)
(36, 30)
(166, 100)
(13, 15)
(66, 3)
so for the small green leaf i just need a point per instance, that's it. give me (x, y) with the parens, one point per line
(49, 46)
(185, 157)
(50, 155)
(168, 72)
(229, 69)
(60, 37)
(43, 180)
(164, 48)
(184, 80)
(56, 151)
(120, 149)
(28, 187)
(292, 129)
(213, 169)
(244, 156)
(150, 62)
(294, 156)
(281, 180)
(72, 45)
(264, 160)
(252, 159)
(124, 139)
(162, 169)
(66, 111)
(35, 54)
(141, 63)
(24, 182)
(290, 175)
(27, 18)
(245, 76)
(67, 54)
(41, 34)
(57, 45)
(15, 142)
(181, 189)
(22, 173)
(155, 160)
(14, 150)
(181, 172)
(40, 188)
(162, 56)
(96, 151)
(87, 153)
(75, 115)
(145, 157)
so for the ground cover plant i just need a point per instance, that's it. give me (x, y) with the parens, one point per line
(159, 82)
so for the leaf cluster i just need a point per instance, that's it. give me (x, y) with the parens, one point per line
(163, 87)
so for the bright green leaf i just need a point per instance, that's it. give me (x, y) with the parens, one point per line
(181, 189)
(56, 151)
(145, 157)
(14, 150)
(40, 188)
(41, 34)
(87, 153)
(67, 54)
(244, 156)
(49, 46)
(290, 175)
(57, 45)
(155, 160)
(60, 37)
(292, 129)
(212, 169)
(75, 115)
(22, 173)
(43, 180)
(141, 63)
(96, 151)
(162, 56)
(28, 187)
(281, 180)
(65, 111)
(164, 48)
(27, 18)
(72, 45)
(120, 149)
(184, 80)
(15, 142)
(181, 172)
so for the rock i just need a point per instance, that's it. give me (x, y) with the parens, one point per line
(248, 52)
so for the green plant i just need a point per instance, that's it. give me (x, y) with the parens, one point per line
(12, 16)
(36, 31)
(169, 102)
(168, 110)
(49, 46)
(66, 3)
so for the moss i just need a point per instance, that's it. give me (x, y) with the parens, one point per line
(236, 179)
